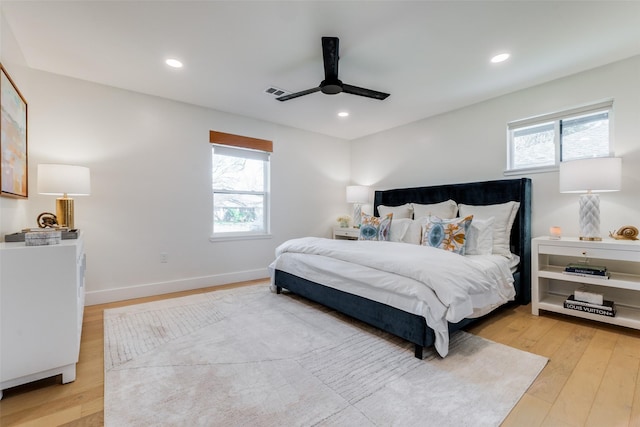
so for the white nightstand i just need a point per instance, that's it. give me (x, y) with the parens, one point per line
(551, 287)
(346, 233)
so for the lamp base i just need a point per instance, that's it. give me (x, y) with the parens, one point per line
(357, 215)
(64, 212)
(590, 217)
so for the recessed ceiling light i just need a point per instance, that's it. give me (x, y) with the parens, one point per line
(173, 63)
(343, 114)
(500, 58)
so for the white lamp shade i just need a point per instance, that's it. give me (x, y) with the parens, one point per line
(595, 175)
(64, 179)
(357, 194)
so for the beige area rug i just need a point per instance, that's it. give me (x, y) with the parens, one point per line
(249, 357)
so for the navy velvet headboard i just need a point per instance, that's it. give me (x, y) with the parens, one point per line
(480, 193)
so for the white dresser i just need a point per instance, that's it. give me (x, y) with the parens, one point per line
(41, 308)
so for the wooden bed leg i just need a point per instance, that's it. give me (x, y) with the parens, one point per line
(418, 351)
(278, 289)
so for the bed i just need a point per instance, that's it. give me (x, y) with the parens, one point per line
(354, 298)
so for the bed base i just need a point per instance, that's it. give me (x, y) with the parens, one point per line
(408, 326)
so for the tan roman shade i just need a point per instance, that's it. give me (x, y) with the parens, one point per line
(240, 141)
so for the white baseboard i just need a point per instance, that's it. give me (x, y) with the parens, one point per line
(151, 289)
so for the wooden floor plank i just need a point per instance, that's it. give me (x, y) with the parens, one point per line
(562, 362)
(576, 398)
(530, 412)
(634, 420)
(56, 418)
(614, 399)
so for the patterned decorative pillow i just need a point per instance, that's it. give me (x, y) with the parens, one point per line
(447, 234)
(375, 228)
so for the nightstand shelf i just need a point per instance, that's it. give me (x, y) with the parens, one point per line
(551, 287)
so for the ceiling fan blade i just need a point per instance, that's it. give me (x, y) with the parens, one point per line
(355, 90)
(297, 94)
(330, 46)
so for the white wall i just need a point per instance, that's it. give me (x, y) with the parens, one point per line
(150, 162)
(470, 145)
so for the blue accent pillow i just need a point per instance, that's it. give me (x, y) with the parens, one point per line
(447, 234)
(375, 228)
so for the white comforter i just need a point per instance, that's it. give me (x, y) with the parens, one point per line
(439, 285)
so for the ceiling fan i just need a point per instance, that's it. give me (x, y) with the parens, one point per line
(331, 85)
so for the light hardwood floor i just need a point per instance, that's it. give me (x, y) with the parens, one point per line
(592, 378)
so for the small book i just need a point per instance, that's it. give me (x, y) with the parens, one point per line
(606, 275)
(608, 308)
(586, 266)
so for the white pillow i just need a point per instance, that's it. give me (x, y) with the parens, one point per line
(479, 239)
(404, 211)
(399, 229)
(504, 215)
(444, 210)
(413, 234)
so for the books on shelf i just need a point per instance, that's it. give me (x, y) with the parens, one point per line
(599, 276)
(589, 270)
(607, 308)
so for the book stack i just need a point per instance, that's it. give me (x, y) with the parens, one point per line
(587, 270)
(607, 308)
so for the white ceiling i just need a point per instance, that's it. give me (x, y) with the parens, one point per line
(431, 56)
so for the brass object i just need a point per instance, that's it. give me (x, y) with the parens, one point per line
(47, 220)
(628, 232)
(64, 211)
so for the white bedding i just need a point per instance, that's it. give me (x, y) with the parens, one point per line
(439, 285)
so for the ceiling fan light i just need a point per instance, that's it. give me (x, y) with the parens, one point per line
(343, 114)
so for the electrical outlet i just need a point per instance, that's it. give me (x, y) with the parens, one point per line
(164, 257)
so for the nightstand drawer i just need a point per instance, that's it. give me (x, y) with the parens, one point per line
(587, 252)
(346, 233)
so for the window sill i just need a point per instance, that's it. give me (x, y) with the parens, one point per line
(239, 237)
(526, 171)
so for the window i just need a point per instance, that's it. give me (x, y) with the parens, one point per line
(541, 143)
(240, 185)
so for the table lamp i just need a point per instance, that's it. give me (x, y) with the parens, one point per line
(590, 176)
(357, 194)
(65, 181)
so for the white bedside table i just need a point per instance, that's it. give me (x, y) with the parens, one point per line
(550, 287)
(346, 233)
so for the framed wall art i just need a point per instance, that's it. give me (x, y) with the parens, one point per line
(13, 140)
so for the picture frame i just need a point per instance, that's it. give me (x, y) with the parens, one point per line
(13, 140)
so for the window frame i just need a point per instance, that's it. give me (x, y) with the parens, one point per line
(556, 118)
(247, 148)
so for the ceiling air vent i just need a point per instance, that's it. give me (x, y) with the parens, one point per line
(276, 92)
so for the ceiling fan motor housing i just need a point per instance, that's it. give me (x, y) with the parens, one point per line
(331, 87)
